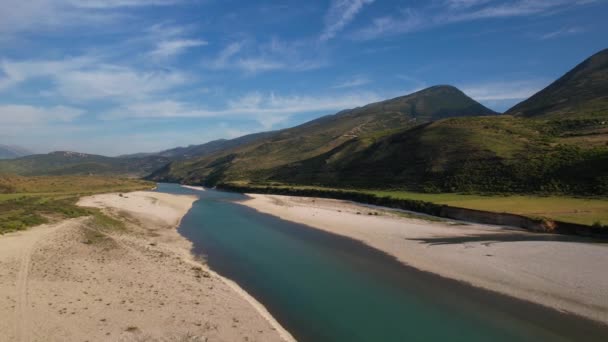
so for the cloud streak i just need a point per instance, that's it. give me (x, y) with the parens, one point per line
(26, 115)
(356, 81)
(171, 48)
(84, 79)
(252, 58)
(32, 15)
(340, 14)
(267, 109)
(570, 31)
(455, 11)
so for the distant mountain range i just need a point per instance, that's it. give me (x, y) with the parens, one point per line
(437, 139)
(10, 152)
(74, 163)
(259, 158)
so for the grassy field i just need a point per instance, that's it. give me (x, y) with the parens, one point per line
(580, 210)
(569, 209)
(30, 201)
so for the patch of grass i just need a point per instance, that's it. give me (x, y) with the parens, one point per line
(562, 208)
(39, 200)
(581, 210)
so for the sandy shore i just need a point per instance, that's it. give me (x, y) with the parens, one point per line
(555, 271)
(76, 281)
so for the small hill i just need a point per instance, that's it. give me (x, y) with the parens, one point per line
(74, 163)
(11, 152)
(259, 156)
(582, 92)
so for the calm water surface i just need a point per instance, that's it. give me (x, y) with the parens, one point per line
(322, 287)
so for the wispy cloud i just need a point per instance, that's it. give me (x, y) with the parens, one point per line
(170, 48)
(105, 4)
(267, 109)
(25, 114)
(86, 78)
(503, 94)
(352, 82)
(454, 11)
(170, 40)
(503, 90)
(252, 58)
(33, 15)
(340, 14)
(562, 32)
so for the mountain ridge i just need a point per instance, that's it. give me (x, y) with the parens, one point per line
(323, 134)
(582, 89)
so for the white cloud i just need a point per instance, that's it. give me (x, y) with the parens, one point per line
(340, 14)
(562, 32)
(267, 109)
(465, 3)
(105, 4)
(16, 114)
(170, 40)
(32, 15)
(454, 11)
(85, 78)
(252, 58)
(503, 90)
(353, 82)
(170, 48)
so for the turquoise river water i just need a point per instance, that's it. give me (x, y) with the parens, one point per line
(323, 287)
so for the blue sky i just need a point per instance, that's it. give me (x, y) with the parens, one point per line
(123, 76)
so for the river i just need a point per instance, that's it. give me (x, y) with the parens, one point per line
(322, 287)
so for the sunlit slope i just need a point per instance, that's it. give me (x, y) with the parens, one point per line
(258, 159)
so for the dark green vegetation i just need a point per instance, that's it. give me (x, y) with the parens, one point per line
(30, 201)
(10, 152)
(581, 93)
(72, 163)
(435, 140)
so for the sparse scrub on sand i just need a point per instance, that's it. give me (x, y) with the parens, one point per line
(31, 201)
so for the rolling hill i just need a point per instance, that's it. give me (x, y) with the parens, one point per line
(73, 163)
(11, 152)
(205, 149)
(257, 159)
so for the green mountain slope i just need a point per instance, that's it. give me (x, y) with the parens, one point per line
(73, 163)
(557, 141)
(257, 159)
(489, 154)
(582, 92)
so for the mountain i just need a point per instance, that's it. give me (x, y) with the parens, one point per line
(486, 154)
(70, 163)
(581, 91)
(257, 158)
(437, 139)
(556, 141)
(11, 152)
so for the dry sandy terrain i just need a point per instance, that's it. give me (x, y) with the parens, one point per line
(75, 281)
(552, 270)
